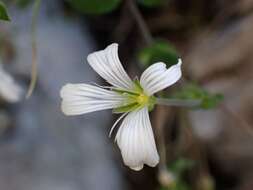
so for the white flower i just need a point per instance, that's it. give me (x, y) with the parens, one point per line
(133, 98)
(9, 90)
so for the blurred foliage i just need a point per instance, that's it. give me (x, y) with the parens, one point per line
(159, 51)
(23, 3)
(206, 182)
(3, 12)
(94, 6)
(181, 165)
(19, 3)
(152, 3)
(105, 6)
(194, 92)
(178, 168)
(179, 185)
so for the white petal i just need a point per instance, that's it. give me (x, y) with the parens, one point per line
(84, 98)
(107, 64)
(9, 90)
(157, 77)
(136, 140)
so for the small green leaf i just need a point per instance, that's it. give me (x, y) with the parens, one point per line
(195, 92)
(3, 12)
(152, 3)
(179, 166)
(158, 51)
(94, 6)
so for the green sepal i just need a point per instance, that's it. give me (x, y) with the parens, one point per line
(120, 91)
(127, 108)
(137, 86)
(151, 103)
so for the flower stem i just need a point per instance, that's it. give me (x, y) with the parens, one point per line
(178, 102)
(34, 72)
(140, 21)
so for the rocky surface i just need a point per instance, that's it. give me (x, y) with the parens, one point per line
(45, 149)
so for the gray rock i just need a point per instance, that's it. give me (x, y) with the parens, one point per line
(49, 150)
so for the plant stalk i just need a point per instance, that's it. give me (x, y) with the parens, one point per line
(178, 102)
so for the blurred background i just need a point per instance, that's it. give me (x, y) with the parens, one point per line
(205, 148)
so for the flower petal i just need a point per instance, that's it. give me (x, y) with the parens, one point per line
(84, 98)
(9, 90)
(107, 64)
(157, 77)
(136, 140)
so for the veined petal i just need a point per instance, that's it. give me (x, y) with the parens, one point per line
(9, 90)
(157, 77)
(107, 64)
(84, 98)
(136, 140)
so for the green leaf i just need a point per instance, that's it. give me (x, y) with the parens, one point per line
(3, 12)
(152, 3)
(94, 6)
(195, 92)
(179, 166)
(158, 51)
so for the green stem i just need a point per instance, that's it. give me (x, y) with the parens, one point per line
(178, 102)
(140, 21)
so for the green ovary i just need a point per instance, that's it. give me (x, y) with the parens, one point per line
(142, 99)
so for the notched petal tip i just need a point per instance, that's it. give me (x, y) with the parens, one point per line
(92, 55)
(115, 45)
(154, 162)
(137, 168)
(149, 163)
(156, 77)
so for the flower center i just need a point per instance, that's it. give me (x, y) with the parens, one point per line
(142, 99)
(135, 99)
